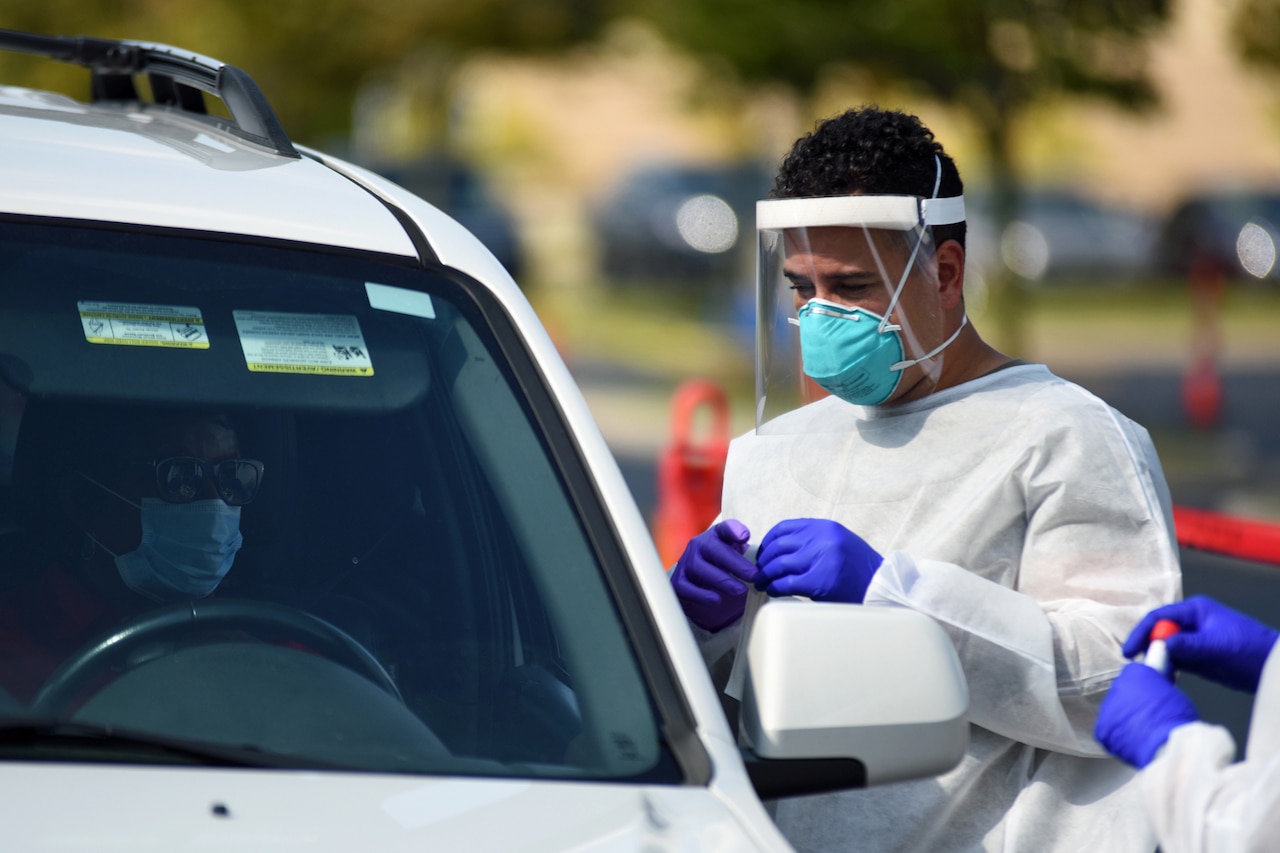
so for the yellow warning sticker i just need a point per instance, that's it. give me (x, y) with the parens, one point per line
(143, 325)
(317, 344)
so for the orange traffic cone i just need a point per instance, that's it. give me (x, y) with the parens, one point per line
(690, 469)
(1202, 394)
(1202, 384)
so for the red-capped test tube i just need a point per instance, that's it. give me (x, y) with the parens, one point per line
(1157, 656)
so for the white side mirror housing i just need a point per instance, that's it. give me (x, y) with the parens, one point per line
(877, 685)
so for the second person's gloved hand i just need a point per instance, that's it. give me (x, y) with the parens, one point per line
(817, 558)
(711, 577)
(1139, 713)
(1215, 642)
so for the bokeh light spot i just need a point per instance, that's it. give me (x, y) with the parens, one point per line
(1025, 250)
(1256, 249)
(708, 224)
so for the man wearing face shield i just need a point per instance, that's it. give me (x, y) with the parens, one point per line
(1026, 516)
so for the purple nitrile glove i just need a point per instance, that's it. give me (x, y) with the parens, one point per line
(1139, 712)
(711, 577)
(1215, 642)
(817, 558)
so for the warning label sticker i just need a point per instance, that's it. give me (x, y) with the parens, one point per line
(323, 344)
(143, 325)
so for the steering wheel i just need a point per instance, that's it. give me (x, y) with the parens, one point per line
(81, 671)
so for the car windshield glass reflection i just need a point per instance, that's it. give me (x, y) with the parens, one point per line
(266, 500)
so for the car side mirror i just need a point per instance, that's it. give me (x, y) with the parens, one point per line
(845, 695)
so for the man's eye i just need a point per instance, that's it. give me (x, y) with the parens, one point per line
(805, 290)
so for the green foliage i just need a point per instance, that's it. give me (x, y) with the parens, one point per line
(1255, 32)
(989, 54)
(312, 56)
(992, 58)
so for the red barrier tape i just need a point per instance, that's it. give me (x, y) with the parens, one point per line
(1244, 539)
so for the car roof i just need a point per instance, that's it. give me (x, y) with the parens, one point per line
(145, 165)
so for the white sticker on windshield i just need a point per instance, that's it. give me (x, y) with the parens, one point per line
(136, 324)
(326, 344)
(412, 302)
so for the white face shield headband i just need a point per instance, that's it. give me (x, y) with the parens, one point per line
(807, 248)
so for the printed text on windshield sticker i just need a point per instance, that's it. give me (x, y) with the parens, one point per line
(136, 324)
(322, 344)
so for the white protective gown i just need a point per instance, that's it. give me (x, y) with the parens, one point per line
(1200, 801)
(1033, 522)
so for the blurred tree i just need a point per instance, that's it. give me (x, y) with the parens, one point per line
(992, 58)
(1255, 33)
(313, 56)
(317, 54)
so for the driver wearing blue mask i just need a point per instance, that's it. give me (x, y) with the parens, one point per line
(170, 520)
(127, 510)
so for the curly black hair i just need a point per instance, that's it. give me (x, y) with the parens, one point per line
(872, 151)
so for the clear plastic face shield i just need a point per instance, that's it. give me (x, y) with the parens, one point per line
(847, 291)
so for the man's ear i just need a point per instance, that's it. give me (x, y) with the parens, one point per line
(950, 263)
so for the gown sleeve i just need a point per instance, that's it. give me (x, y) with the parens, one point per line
(1098, 552)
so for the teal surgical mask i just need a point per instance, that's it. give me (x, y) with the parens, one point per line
(853, 353)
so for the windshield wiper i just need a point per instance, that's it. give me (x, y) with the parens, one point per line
(53, 740)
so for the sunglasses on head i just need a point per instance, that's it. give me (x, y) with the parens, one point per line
(180, 479)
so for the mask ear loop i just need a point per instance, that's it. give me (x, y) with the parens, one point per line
(911, 261)
(110, 491)
(903, 365)
(94, 539)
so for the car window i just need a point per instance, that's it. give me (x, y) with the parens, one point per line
(413, 589)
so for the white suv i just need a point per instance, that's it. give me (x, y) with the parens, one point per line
(308, 540)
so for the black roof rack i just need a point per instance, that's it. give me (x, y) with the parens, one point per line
(176, 76)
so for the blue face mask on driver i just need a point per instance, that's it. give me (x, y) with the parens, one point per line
(186, 549)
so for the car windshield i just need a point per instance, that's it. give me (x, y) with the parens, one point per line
(295, 506)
